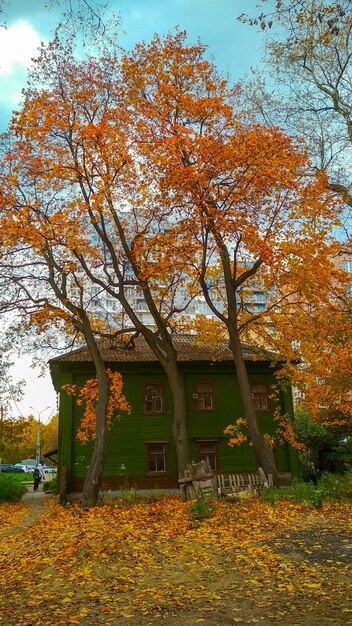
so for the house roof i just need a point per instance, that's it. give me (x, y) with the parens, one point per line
(189, 348)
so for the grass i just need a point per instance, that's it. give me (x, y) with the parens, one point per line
(19, 477)
(11, 490)
(330, 487)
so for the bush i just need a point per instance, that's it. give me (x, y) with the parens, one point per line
(297, 493)
(272, 495)
(203, 508)
(329, 487)
(336, 458)
(335, 486)
(51, 485)
(10, 489)
(304, 492)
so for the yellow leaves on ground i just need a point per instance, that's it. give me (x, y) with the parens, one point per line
(151, 562)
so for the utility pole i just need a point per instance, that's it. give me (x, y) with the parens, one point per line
(37, 452)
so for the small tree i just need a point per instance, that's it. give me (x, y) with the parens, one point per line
(37, 271)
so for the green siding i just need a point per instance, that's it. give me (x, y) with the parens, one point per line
(282, 458)
(129, 433)
(65, 425)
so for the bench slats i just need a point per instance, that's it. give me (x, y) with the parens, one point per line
(234, 483)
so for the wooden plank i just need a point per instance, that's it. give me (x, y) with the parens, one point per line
(237, 483)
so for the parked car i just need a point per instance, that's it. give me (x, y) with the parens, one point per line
(8, 468)
(26, 468)
(5, 467)
(49, 469)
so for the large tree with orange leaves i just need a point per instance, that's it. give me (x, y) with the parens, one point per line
(146, 177)
(240, 200)
(71, 194)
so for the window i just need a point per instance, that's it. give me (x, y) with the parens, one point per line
(260, 397)
(153, 399)
(156, 458)
(208, 449)
(347, 266)
(204, 396)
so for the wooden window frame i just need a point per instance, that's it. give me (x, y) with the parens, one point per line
(149, 455)
(196, 393)
(260, 395)
(153, 412)
(216, 455)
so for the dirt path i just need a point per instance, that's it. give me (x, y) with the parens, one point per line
(37, 506)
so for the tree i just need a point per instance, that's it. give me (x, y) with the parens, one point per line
(11, 437)
(309, 47)
(240, 202)
(49, 435)
(37, 271)
(10, 391)
(140, 177)
(18, 437)
(87, 16)
(310, 50)
(70, 177)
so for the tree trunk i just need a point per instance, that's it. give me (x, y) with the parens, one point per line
(262, 447)
(96, 467)
(179, 426)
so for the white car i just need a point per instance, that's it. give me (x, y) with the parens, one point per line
(26, 468)
(49, 469)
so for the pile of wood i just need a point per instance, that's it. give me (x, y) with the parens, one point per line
(199, 481)
(242, 485)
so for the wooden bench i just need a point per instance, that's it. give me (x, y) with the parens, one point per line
(234, 484)
(200, 481)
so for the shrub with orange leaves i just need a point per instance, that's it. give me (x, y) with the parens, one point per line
(88, 396)
(237, 432)
(284, 432)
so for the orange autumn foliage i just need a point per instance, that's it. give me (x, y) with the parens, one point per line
(284, 432)
(157, 147)
(244, 196)
(88, 396)
(131, 562)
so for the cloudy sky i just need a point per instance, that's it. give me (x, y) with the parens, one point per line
(233, 47)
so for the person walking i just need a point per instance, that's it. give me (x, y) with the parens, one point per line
(36, 478)
(42, 471)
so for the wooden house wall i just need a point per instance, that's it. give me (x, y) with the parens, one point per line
(126, 460)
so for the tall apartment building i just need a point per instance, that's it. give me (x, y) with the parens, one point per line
(343, 261)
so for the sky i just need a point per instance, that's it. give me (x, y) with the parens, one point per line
(233, 47)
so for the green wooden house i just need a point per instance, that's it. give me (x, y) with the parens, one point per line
(141, 449)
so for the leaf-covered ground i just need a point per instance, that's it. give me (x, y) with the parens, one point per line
(153, 564)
